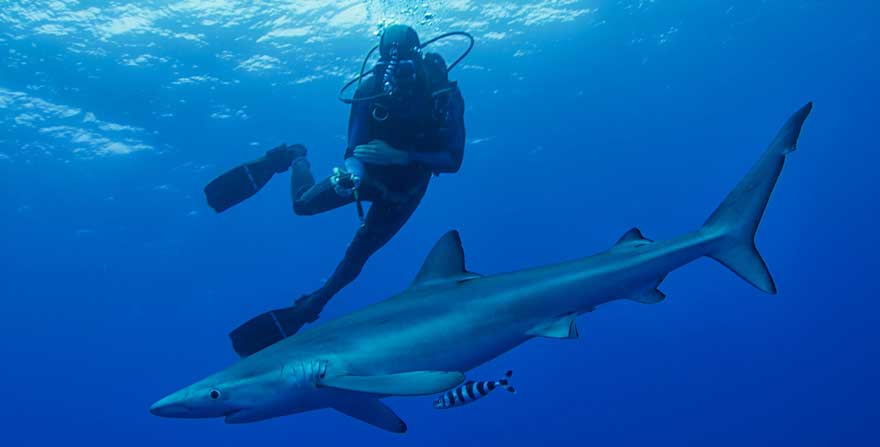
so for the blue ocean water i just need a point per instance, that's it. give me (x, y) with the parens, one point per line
(584, 118)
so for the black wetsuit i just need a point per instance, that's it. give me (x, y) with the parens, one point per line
(428, 122)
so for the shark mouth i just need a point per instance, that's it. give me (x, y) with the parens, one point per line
(242, 416)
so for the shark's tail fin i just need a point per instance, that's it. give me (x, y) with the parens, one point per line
(736, 220)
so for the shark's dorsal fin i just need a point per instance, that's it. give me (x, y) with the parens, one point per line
(371, 411)
(632, 238)
(445, 263)
(415, 383)
(564, 327)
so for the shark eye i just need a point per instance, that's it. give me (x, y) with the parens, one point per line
(214, 394)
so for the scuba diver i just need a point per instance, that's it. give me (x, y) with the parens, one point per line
(406, 124)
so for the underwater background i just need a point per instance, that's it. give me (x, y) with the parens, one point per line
(584, 118)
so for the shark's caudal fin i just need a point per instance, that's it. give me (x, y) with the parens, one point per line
(737, 218)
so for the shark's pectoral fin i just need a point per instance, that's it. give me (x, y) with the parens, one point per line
(564, 327)
(371, 411)
(415, 383)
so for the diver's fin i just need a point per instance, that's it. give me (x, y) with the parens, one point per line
(415, 383)
(371, 411)
(245, 180)
(736, 220)
(267, 329)
(240, 183)
(565, 327)
(445, 263)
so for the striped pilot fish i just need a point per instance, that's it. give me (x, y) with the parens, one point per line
(471, 391)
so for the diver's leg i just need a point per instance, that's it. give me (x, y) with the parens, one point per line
(310, 198)
(382, 222)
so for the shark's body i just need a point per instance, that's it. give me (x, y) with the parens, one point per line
(422, 340)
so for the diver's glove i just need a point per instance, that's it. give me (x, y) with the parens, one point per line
(281, 157)
(378, 152)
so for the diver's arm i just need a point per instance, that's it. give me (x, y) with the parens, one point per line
(358, 121)
(451, 139)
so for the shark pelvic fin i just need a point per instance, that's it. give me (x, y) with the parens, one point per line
(372, 412)
(415, 383)
(445, 263)
(564, 327)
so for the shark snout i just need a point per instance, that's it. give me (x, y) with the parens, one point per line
(173, 406)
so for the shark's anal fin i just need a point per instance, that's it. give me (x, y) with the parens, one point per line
(564, 327)
(415, 383)
(649, 296)
(371, 411)
(445, 263)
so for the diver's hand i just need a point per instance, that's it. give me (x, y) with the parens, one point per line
(378, 152)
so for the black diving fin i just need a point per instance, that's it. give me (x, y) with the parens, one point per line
(245, 180)
(268, 328)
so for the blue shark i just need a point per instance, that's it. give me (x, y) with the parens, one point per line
(423, 340)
